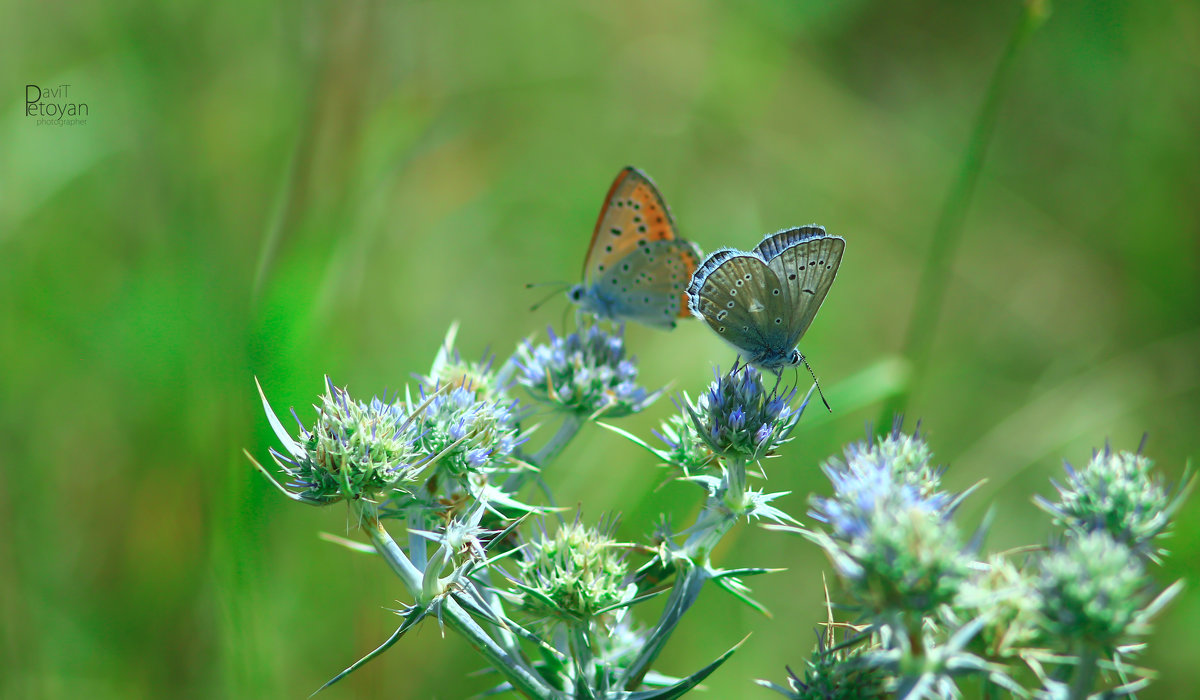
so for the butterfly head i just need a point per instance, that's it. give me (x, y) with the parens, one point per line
(592, 301)
(796, 359)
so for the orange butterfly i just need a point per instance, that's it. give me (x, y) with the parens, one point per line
(636, 268)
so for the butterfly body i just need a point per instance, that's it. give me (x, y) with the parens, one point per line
(761, 302)
(636, 268)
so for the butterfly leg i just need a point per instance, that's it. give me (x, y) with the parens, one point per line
(778, 379)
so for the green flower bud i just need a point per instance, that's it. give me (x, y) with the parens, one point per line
(574, 574)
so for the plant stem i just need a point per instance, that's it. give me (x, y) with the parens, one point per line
(392, 554)
(720, 512)
(581, 650)
(571, 424)
(513, 668)
(505, 374)
(1085, 675)
(416, 543)
(735, 476)
(916, 640)
(990, 690)
(688, 582)
(947, 233)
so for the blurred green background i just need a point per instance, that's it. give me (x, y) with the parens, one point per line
(285, 190)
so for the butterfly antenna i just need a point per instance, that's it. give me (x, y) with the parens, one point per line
(538, 305)
(814, 376)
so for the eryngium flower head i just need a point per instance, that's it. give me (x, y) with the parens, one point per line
(738, 418)
(481, 378)
(1006, 597)
(574, 574)
(685, 448)
(908, 456)
(354, 450)
(890, 534)
(835, 674)
(885, 473)
(468, 435)
(584, 373)
(1092, 590)
(1116, 493)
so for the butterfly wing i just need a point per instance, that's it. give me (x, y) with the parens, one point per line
(647, 285)
(633, 214)
(805, 260)
(636, 268)
(740, 298)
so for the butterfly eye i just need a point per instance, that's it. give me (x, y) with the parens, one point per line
(576, 294)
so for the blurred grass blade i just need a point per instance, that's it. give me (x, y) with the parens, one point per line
(947, 233)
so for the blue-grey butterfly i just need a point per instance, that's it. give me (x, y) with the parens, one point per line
(636, 268)
(763, 301)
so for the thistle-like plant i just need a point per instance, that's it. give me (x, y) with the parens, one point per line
(739, 419)
(888, 529)
(550, 604)
(584, 373)
(354, 450)
(547, 605)
(935, 619)
(435, 478)
(574, 575)
(1117, 493)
